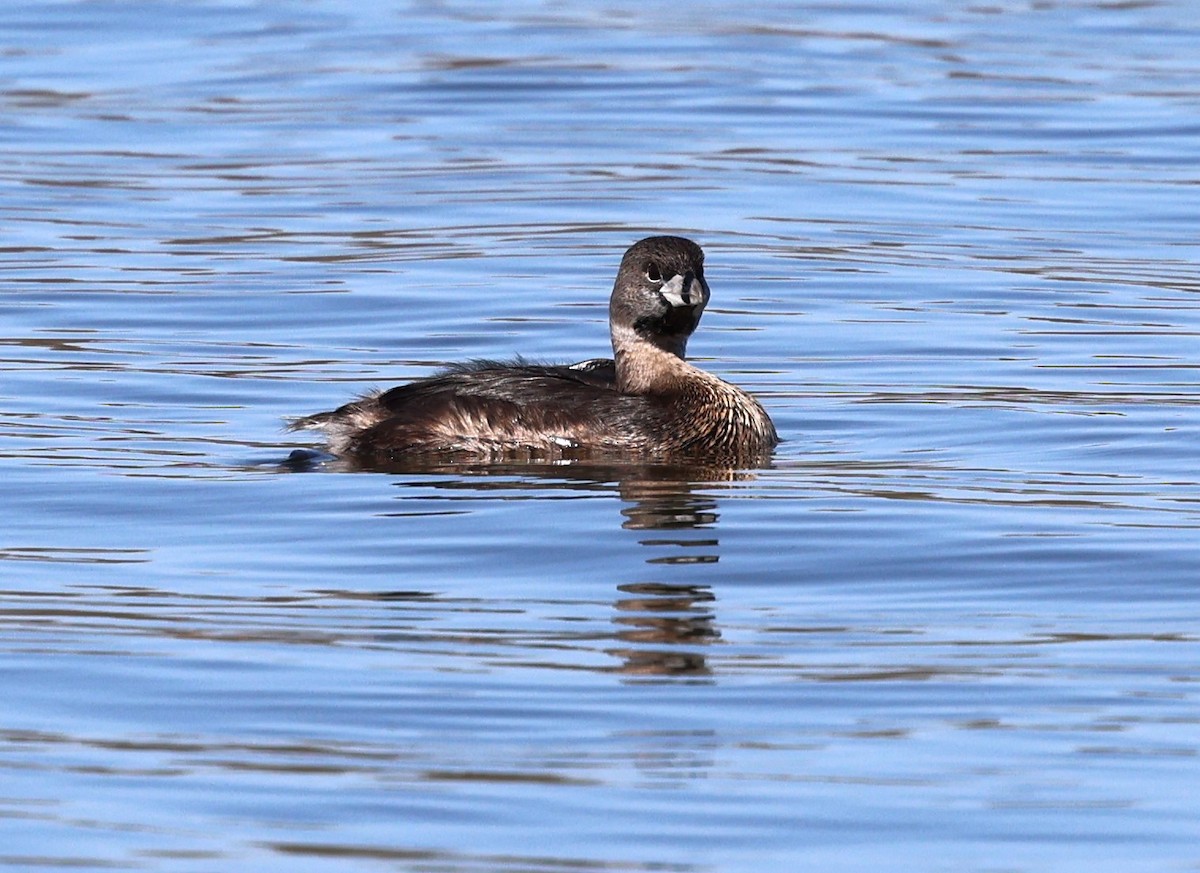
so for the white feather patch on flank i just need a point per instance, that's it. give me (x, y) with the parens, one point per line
(589, 364)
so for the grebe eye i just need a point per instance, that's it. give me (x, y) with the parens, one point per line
(653, 274)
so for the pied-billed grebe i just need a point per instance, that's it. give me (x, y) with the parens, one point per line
(648, 403)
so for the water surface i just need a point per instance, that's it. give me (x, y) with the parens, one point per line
(952, 626)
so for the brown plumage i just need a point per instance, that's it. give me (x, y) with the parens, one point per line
(646, 403)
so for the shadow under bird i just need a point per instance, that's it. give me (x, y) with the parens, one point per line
(647, 403)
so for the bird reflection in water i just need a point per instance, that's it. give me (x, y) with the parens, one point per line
(663, 627)
(657, 620)
(666, 626)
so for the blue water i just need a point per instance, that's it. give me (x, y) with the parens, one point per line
(955, 625)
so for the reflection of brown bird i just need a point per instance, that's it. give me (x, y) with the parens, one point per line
(645, 403)
(665, 615)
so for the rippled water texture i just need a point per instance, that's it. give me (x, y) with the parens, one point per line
(953, 626)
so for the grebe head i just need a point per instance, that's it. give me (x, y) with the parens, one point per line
(659, 295)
